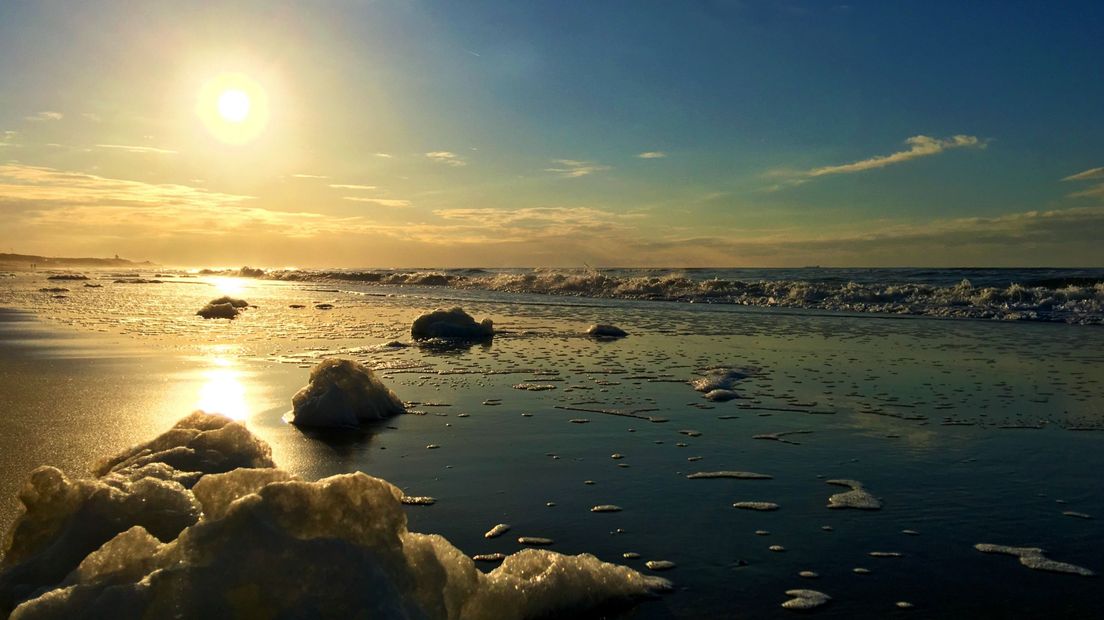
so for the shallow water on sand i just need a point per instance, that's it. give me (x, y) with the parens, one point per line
(968, 432)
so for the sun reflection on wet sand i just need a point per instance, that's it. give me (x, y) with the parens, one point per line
(223, 390)
(229, 285)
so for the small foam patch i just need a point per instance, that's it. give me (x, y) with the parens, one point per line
(1035, 558)
(858, 497)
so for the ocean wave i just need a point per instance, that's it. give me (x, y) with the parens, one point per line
(1076, 301)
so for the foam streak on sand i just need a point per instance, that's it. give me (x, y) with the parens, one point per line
(1034, 558)
(742, 475)
(198, 522)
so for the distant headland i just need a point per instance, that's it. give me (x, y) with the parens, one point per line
(25, 261)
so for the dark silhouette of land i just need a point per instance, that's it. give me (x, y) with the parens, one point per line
(25, 261)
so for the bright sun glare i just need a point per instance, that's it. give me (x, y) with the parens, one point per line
(234, 108)
(233, 105)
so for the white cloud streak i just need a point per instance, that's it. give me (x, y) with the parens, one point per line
(1088, 175)
(919, 146)
(652, 155)
(1094, 191)
(574, 168)
(383, 202)
(45, 115)
(34, 183)
(136, 149)
(352, 186)
(446, 157)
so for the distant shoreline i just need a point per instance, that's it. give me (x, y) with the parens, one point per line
(8, 261)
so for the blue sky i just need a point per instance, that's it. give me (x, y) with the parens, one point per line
(401, 133)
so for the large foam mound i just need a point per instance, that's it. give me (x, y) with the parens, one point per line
(64, 520)
(343, 394)
(451, 323)
(256, 542)
(224, 307)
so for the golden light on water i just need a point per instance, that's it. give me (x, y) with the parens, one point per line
(234, 108)
(229, 286)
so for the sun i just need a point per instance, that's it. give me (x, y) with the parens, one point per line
(234, 108)
(233, 105)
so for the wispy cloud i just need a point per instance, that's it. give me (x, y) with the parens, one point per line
(136, 149)
(446, 157)
(78, 203)
(919, 146)
(351, 186)
(7, 138)
(573, 168)
(1096, 191)
(309, 176)
(384, 155)
(533, 224)
(46, 115)
(1092, 174)
(652, 155)
(1088, 175)
(383, 202)
(35, 183)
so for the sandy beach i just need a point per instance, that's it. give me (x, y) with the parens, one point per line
(961, 430)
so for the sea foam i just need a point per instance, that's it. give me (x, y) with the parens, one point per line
(451, 323)
(198, 522)
(343, 393)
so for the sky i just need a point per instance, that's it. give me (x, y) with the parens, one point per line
(414, 133)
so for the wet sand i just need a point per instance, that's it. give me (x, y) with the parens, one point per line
(69, 399)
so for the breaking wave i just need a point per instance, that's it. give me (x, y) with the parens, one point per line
(1070, 299)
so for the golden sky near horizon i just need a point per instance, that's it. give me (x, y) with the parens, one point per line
(425, 134)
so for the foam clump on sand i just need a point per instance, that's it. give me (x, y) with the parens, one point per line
(343, 394)
(805, 599)
(756, 505)
(720, 396)
(224, 307)
(451, 323)
(1034, 558)
(237, 542)
(858, 497)
(718, 379)
(601, 330)
(741, 475)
